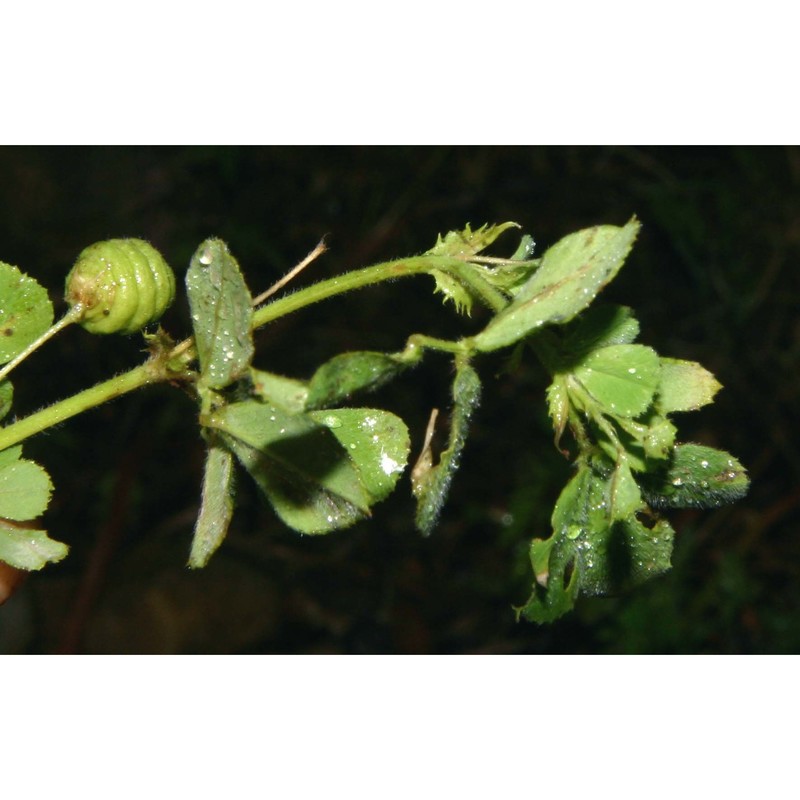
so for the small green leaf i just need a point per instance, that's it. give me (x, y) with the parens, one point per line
(467, 243)
(376, 441)
(6, 398)
(25, 311)
(344, 375)
(28, 549)
(684, 386)
(622, 378)
(299, 464)
(431, 483)
(222, 313)
(216, 508)
(288, 393)
(696, 477)
(25, 489)
(572, 273)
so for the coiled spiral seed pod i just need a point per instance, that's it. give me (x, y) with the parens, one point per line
(120, 285)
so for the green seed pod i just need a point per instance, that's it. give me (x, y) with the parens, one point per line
(121, 285)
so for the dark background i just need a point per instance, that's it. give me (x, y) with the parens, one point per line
(713, 277)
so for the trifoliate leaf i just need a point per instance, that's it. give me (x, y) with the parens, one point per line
(570, 276)
(621, 378)
(25, 490)
(216, 508)
(684, 386)
(299, 464)
(222, 312)
(696, 477)
(431, 482)
(25, 311)
(376, 441)
(28, 549)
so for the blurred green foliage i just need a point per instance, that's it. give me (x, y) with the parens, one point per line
(714, 278)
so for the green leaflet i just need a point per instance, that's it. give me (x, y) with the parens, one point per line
(222, 313)
(24, 489)
(29, 549)
(321, 470)
(25, 311)
(376, 441)
(684, 386)
(696, 477)
(431, 483)
(344, 375)
(621, 379)
(570, 276)
(299, 464)
(216, 508)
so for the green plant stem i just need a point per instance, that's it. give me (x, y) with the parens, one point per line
(140, 376)
(360, 278)
(339, 285)
(420, 340)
